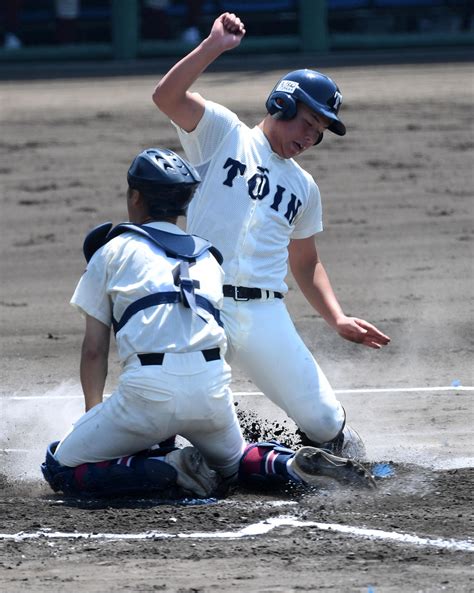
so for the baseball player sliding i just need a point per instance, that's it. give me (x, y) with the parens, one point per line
(262, 210)
(160, 290)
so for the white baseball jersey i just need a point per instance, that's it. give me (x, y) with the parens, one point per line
(251, 202)
(130, 267)
(186, 394)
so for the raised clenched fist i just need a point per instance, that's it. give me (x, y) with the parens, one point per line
(227, 30)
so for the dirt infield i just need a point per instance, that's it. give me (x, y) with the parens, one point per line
(398, 245)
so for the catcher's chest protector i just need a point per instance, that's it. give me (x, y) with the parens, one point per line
(182, 247)
(186, 247)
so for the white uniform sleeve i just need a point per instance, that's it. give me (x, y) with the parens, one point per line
(90, 297)
(310, 221)
(202, 143)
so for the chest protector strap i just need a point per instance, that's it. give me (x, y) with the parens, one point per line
(183, 247)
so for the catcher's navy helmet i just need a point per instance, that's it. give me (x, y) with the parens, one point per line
(316, 90)
(165, 180)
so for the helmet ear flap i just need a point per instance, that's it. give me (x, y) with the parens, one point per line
(281, 105)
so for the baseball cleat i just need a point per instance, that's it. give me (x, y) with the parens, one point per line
(194, 475)
(315, 466)
(347, 444)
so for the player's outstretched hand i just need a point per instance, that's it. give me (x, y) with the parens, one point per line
(227, 30)
(361, 332)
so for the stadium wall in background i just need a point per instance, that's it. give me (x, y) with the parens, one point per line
(34, 30)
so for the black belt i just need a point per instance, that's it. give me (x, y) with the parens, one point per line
(156, 358)
(241, 293)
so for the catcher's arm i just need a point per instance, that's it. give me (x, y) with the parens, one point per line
(94, 361)
(172, 94)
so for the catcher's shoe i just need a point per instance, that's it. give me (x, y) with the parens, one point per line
(316, 466)
(194, 475)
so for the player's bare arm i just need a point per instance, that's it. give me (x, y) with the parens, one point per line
(94, 361)
(312, 279)
(314, 283)
(172, 95)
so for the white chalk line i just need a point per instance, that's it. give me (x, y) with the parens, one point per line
(260, 528)
(245, 393)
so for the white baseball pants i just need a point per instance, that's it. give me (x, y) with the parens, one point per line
(185, 395)
(264, 343)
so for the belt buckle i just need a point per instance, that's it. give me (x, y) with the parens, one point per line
(236, 295)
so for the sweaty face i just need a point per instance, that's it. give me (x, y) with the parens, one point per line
(294, 136)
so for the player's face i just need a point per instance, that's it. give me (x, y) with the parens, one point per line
(300, 133)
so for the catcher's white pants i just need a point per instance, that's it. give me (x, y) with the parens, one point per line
(264, 343)
(185, 395)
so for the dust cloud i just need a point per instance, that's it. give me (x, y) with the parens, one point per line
(30, 422)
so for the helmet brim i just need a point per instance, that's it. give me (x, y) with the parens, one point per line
(336, 126)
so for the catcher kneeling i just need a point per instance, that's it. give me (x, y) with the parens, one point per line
(160, 290)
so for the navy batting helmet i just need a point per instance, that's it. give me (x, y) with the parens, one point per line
(165, 180)
(316, 90)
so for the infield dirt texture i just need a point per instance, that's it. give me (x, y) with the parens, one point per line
(398, 245)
